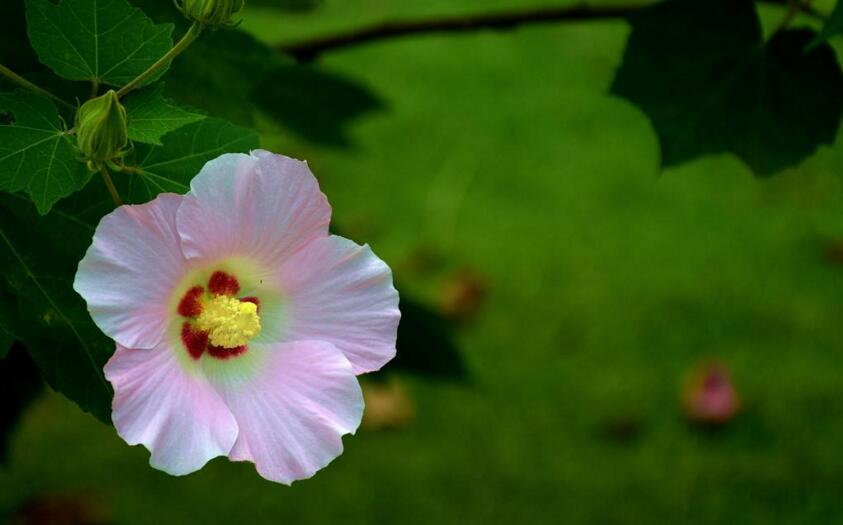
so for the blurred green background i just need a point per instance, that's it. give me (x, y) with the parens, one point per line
(596, 283)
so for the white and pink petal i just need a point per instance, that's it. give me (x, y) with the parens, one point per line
(292, 410)
(341, 292)
(170, 409)
(130, 270)
(261, 206)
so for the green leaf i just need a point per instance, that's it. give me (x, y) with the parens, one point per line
(170, 168)
(833, 25)
(150, 116)
(104, 41)
(38, 260)
(219, 73)
(709, 83)
(36, 154)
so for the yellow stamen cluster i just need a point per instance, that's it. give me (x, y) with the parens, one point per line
(229, 322)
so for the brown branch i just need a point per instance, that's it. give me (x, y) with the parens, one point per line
(311, 49)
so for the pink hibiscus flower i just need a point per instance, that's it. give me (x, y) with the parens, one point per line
(240, 322)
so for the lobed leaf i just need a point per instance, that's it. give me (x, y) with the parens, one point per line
(103, 41)
(150, 116)
(36, 154)
(702, 73)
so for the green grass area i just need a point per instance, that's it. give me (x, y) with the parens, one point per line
(608, 280)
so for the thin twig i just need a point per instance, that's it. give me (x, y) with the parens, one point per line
(106, 177)
(19, 80)
(311, 49)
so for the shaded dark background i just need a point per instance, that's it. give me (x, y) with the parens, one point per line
(570, 284)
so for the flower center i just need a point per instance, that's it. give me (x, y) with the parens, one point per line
(215, 320)
(229, 322)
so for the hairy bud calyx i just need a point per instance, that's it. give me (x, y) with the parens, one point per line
(101, 129)
(213, 13)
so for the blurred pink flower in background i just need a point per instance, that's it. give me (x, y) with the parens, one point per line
(240, 322)
(709, 395)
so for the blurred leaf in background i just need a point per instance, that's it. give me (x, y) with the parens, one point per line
(709, 83)
(426, 344)
(832, 26)
(313, 102)
(219, 74)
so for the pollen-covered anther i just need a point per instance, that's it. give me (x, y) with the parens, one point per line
(229, 322)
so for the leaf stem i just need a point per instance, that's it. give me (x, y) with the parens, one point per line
(188, 38)
(132, 169)
(19, 80)
(106, 177)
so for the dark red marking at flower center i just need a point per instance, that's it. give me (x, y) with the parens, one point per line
(191, 304)
(194, 340)
(222, 283)
(225, 353)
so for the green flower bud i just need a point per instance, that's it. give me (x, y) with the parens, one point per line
(214, 13)
(101, 132)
